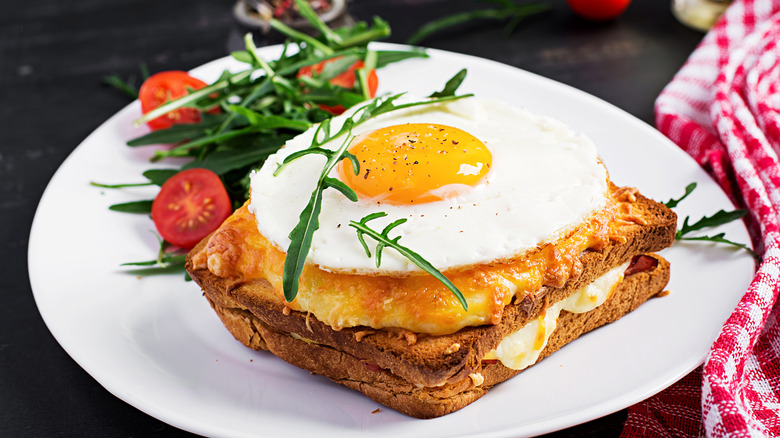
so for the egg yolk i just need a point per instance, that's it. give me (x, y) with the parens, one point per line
(415, 163)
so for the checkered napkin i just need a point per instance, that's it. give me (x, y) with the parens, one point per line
(723, 108)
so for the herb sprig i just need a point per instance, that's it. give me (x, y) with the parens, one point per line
(383, 240)
(505, 10)
(719, 218)
(303, 232)
(129, 86)
(166, 262)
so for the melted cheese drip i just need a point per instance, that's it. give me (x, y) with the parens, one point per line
(522, 348)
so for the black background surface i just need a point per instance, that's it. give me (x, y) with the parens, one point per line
(53, 55)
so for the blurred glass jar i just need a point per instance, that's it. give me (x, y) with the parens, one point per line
(699, 14)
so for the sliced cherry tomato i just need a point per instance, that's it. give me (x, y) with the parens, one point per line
(598, 10)
(166, 86)
(346, 79)
(190, 205)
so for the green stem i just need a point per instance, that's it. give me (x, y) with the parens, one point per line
(292, 33)
(192, 97)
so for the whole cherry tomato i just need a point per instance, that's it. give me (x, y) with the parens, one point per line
(166, 86)
(598, 10)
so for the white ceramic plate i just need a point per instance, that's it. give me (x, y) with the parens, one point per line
(155, 343)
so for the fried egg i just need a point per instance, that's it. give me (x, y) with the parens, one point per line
(477, 180)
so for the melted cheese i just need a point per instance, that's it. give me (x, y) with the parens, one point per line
(415, 302)
(522, 348)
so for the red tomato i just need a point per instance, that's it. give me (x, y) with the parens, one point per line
(190, 205)
(598, 10)
(347, 79)
(166, 86)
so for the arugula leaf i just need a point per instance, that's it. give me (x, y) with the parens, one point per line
(307, 12)
(361, 35)
(242, 56)
(452, 85)
(224, 161)
(688, 190)
(300, 36)
(140, 207)
(118, 186)
(362, 73)
(386, 57)
(720, 238)
(179, 133)
(383, 240)
(167, 261)
(308, 223)
(171, 268)
(264, 124)
(159, 176)
(155, 177)
(506, 10)
(126, 87)
(719, 218)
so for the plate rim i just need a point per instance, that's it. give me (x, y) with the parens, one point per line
(178, 421)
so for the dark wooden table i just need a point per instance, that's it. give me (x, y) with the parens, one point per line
(53, 55)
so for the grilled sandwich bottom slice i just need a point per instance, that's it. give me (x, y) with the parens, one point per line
(425, 375)
(302, 344)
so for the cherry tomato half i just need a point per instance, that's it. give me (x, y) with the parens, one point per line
(166, 86)
(598, 10)
(346, 79)
(190, 205)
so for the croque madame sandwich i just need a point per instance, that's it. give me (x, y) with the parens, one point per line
(517, 211)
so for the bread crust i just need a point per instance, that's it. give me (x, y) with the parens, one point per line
(426, 375)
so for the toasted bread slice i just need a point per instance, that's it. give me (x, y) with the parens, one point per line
(426, 375)
(385, 387)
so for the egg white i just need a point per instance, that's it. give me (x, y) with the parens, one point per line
(544, 180)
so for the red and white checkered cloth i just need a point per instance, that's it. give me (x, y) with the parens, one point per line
(723, 108)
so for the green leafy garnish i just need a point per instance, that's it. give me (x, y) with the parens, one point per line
(717, 219)
(119, 186)
(506, 10)
(383, 240)
(166, 262)
(129, 86)
(159, 176)
(688, 190)
(720, 238)
(301, 235)
(156, 177)
(264, 105)
(452, 85)
(139, 207)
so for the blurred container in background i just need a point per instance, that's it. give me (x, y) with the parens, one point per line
(699, 14)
